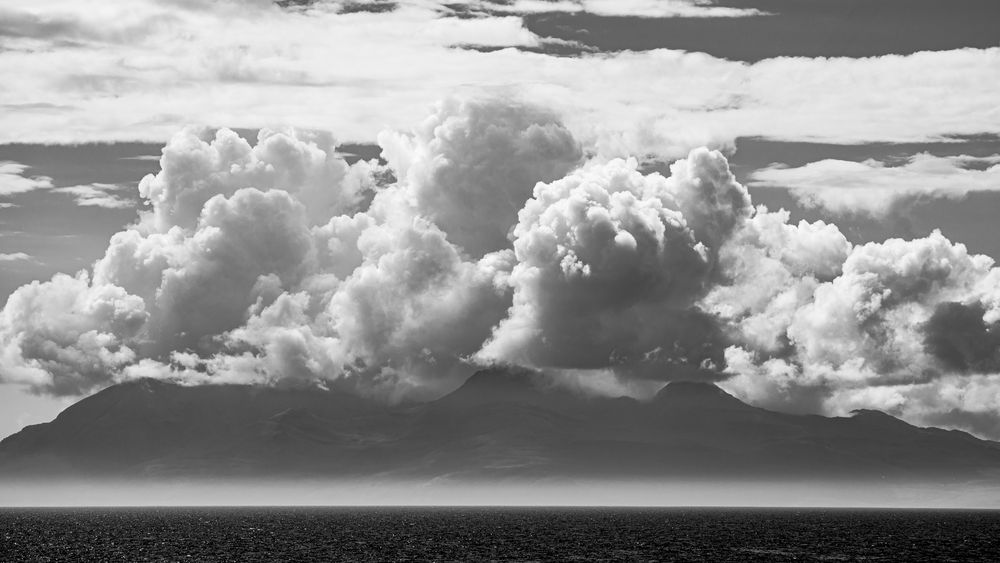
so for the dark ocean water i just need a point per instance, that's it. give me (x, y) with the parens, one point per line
(520, 534)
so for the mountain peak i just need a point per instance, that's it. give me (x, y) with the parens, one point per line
(872, 417)
(697, 394)
(497, 384)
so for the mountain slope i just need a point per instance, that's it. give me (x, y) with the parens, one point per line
(501, 424)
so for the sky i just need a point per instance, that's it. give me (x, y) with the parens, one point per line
(792, 198)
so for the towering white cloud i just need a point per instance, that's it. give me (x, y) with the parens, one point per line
(195, 167)
(610, 263)
(229, 226)
(278, 263)
(770, 269)
(896, 320)
(471, 166)
(66, 335)
(257, 262)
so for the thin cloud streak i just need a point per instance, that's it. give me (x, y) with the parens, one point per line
(14, 181)
(98, 195)
(877, 188)
(16, 257)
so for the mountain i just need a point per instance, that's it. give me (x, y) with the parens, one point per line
(501, 424)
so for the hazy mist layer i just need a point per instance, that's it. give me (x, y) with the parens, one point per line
(805, 493)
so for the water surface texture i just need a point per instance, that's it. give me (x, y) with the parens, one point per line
(518, 534)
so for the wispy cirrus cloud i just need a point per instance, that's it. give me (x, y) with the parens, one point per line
(875, 187)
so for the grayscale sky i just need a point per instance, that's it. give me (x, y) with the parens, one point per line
(177, 201)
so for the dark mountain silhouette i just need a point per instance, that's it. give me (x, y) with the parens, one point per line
(501, 424)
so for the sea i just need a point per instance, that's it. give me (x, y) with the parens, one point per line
(496, 534)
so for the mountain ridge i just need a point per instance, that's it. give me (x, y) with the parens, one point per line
(502, 423)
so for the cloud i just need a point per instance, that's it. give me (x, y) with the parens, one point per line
(16, 257)
(65, 336)
(275, 262)
(769, 270)
(632, 8)
(197, 165)
(876, 188)
(13, 180)
(97, 195)
(899, 319)
(192, 63)
(957, 335)
(229, 227)
(472, 165)
(406, 316)
(279, 262)
(610, 264)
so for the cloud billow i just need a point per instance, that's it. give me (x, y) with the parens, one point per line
(278, 263)
(610, 264)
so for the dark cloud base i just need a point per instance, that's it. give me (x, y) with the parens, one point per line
(957, 335)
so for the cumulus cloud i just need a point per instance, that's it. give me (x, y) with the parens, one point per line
(876, 188)
(277, 261)
(610, 264)
(471, 166)
(197, 166)
(881, 328)
(66, 335)
(769, 270)
(228, 227)
(494, 235)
